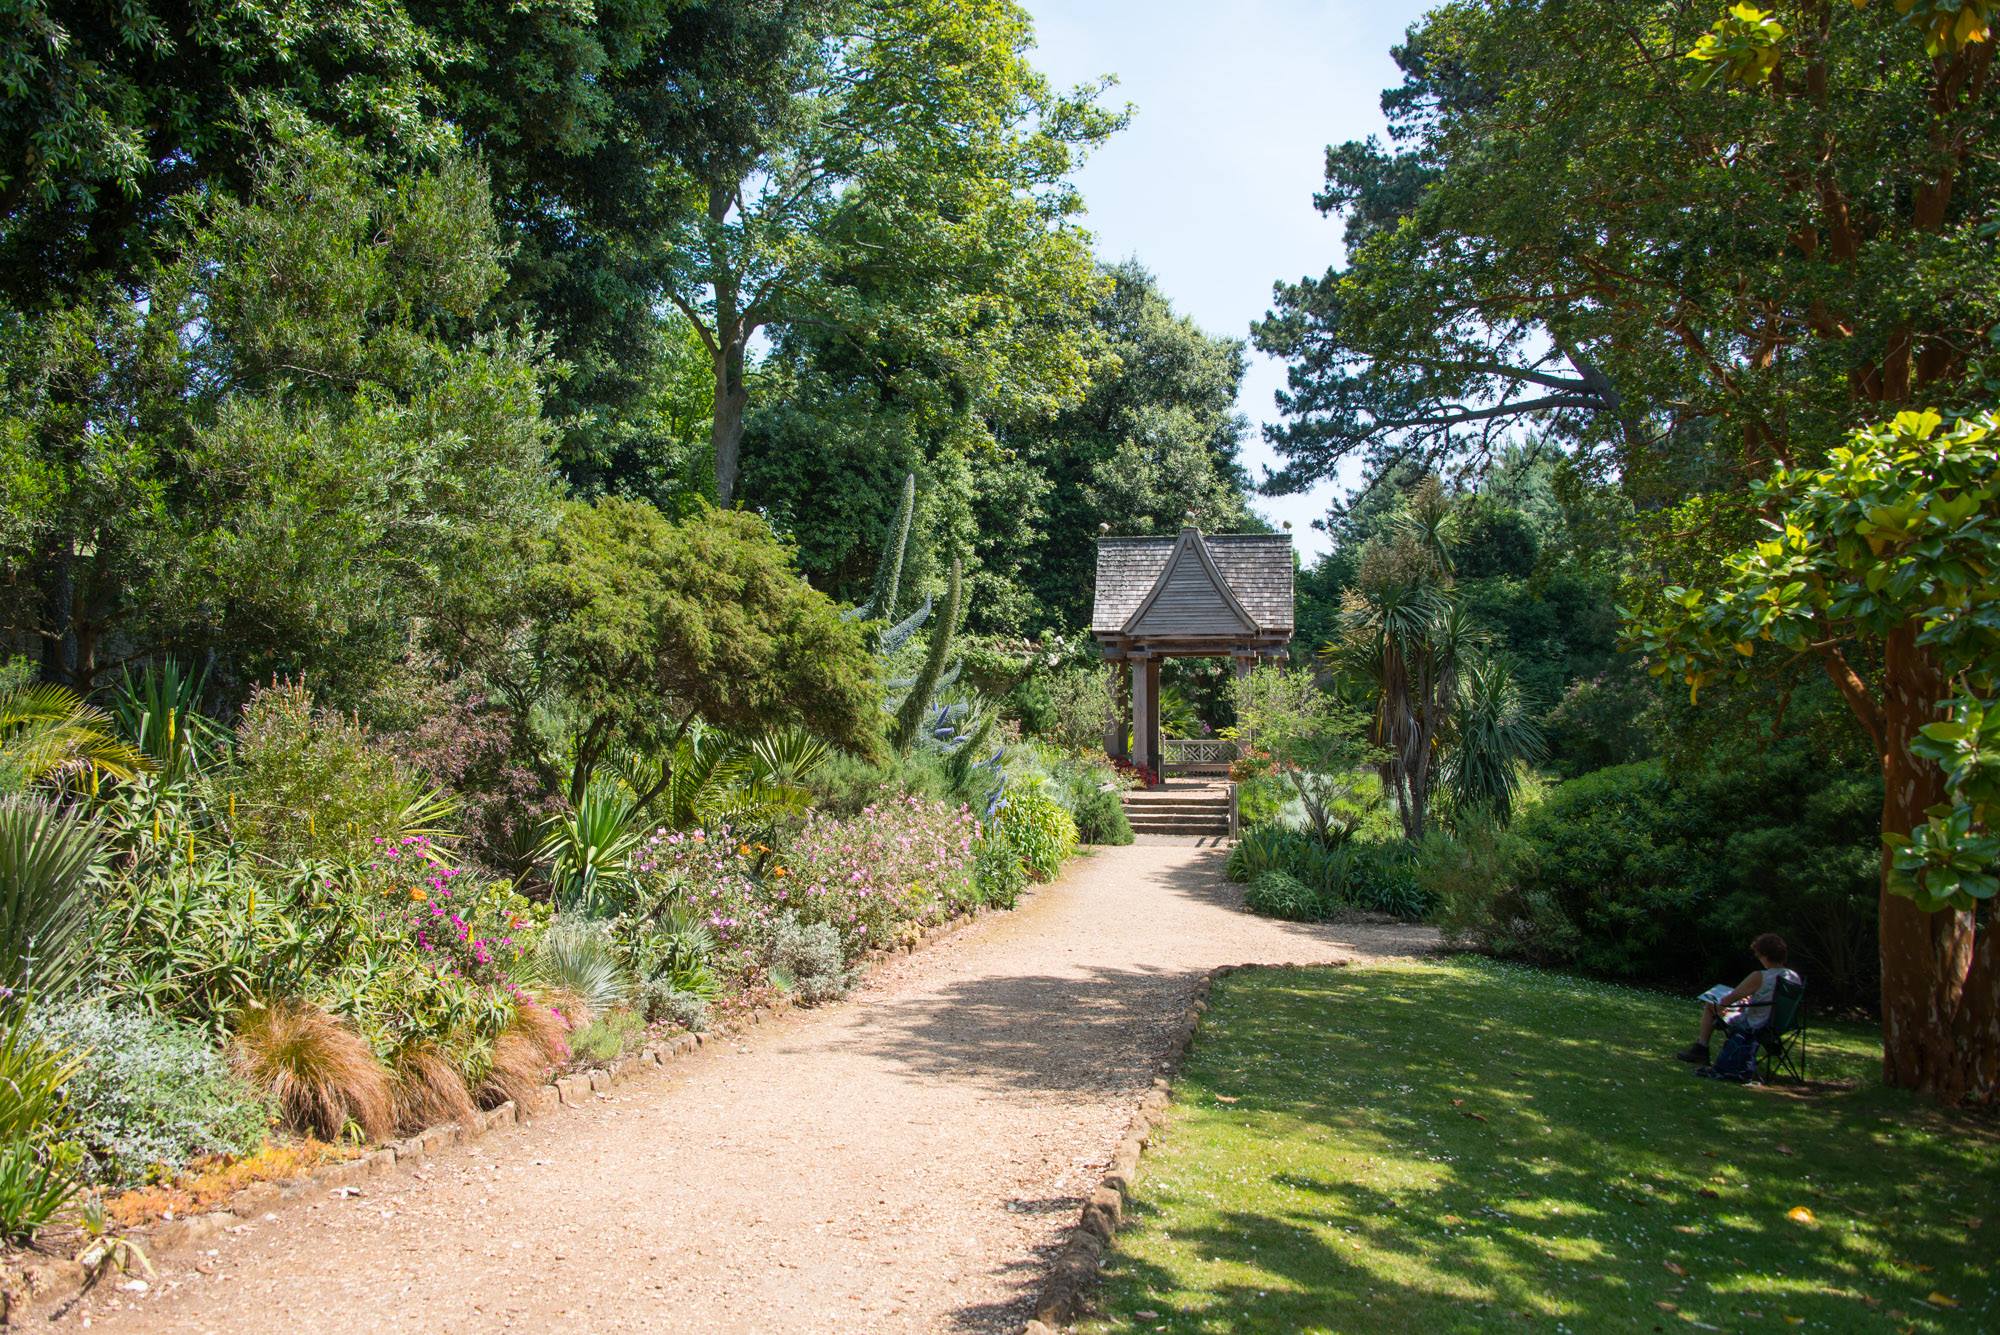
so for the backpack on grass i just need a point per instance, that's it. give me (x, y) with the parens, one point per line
(1738, 1059)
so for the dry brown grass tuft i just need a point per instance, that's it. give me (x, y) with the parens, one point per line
(322, 1073)
(571, 1010)
(546, 1027)
(535, 1040)
(428, 1089)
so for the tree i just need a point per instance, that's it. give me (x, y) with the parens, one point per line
(288, 444)
(1407, 634)
(1151, 442)
(1881, 566)
(909, 145)
(115, 112)
(637, 627)
(1314, 744)
(1493, 736)
(1152, 445)
(1684, 277)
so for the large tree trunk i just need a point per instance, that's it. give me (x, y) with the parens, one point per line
(732, 395)
(1940, 971)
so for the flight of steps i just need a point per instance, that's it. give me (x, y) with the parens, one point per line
(1180, 807)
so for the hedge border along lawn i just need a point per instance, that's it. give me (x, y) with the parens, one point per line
(1471, 1146)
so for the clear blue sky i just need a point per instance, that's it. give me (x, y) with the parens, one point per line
(1211, 187)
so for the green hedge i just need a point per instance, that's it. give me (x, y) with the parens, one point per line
(1644, 874)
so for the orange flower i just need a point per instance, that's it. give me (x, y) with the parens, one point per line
(781, 872)
(418, 895)
(742, 850)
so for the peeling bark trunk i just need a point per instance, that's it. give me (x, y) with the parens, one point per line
(1940, 971)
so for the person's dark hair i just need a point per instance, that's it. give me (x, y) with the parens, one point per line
(1770, 946)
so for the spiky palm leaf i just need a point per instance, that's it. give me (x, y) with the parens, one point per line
(708, 765)
(1494, 736)
(48, 860)
(47, 732)
(159, 710)
(577, 956)
(788, 755)
(588, 849)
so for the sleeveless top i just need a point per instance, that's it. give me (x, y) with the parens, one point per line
(1757, 1008)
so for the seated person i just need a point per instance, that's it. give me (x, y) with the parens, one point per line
(1747, 1008)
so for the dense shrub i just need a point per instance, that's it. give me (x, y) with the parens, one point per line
(149, 1096)
(1379, 877)
(608, 1036)
(1038, 827)
(997, 871)
(1066, 707)
(1279, 894)
(1650, 876)
(806, 958)
(1091, 789)
(907, 860)
(310, 782)
(664, 1003)
(845, 785)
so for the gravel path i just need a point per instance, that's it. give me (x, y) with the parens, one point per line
(904, 1162)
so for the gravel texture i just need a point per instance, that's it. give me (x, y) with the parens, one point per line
(907, 1161)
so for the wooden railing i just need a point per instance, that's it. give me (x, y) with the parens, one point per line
(1185, 754)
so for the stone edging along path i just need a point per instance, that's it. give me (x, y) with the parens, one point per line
(58, 1282)
(1075, 1272)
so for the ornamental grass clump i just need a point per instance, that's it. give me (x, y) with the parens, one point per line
(576, 958)
(323, 1076)
(428, 1088)
(534, 1042)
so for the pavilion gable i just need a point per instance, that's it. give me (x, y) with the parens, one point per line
(1190, 596)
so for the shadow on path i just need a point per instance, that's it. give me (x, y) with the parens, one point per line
(1099, 1032)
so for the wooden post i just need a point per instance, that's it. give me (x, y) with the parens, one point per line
(1118, 724)
(1146, 712)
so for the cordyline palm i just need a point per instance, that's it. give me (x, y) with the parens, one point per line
(1405, 631)
(48, 733)
(1493, 737)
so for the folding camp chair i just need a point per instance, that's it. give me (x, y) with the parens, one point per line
(1781, 1044)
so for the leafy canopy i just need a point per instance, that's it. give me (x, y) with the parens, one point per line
(1898, 532)
(643, 625)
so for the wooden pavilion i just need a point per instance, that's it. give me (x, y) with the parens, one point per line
(1221, 595)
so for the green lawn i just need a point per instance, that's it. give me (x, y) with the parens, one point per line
(1469, 1146)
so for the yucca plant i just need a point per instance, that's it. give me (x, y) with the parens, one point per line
(35, 1118)
(159, 711)
(577, 957)
(48, 861)
(588, 850)
(48, 734)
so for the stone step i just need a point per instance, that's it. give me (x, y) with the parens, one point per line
(1177, 804)
(1217, 828)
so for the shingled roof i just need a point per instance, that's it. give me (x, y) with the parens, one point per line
(1133, 575)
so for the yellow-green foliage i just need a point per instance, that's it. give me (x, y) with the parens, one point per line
(1038, 826)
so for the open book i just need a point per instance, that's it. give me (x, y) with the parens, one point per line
(1716, 993)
